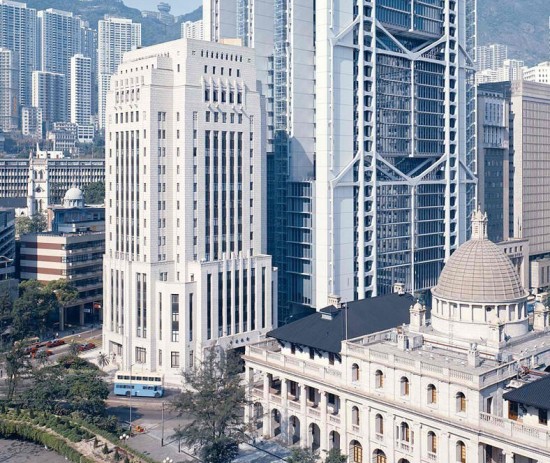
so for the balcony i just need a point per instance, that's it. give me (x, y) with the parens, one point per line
(534, 435)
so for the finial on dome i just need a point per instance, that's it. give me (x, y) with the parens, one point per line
(479, 225)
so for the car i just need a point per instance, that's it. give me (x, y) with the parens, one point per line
(88, 346)
(55, 343)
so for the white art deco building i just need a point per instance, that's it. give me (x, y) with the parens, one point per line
(371, 140)
(468, 385)
(185, 266)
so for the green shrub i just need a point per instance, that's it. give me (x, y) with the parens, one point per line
(105, 449)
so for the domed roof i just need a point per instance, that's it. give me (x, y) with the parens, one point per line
(479, 271)
(74, 194)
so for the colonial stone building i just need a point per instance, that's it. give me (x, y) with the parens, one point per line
(460, 386)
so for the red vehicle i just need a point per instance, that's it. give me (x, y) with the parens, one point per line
(84, 347)
(55, 343)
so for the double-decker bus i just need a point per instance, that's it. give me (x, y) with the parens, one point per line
(142, 384)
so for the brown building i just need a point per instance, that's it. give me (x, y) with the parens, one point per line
(76, 256)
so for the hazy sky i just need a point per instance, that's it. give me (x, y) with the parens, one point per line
(178, 6)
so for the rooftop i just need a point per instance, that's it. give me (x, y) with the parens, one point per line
(327, 329)
(535, 393)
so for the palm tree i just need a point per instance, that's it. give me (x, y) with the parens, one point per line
(103, 359)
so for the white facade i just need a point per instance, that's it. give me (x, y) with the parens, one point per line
(430, 391)
(510, 70)
(116, 36)
(81, 97)
(491, 56)
(192, 30)
(185, 263)
(9, 90)
(31, 121)
(539, 73)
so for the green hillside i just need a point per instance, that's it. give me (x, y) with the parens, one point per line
(152, 31)
(520, 24)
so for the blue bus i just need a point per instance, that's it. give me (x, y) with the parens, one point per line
(138, 384)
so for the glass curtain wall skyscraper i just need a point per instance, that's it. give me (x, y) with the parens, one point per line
(371, 121)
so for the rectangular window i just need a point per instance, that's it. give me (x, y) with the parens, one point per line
(140, 354)
(175, 359)
(175, 317)
(543, 416)
(160, 357)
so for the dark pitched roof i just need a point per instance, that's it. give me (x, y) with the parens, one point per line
(13, 202)
(363, 317)
(534, 394)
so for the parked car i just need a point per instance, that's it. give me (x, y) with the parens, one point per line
(35, 353)
(55, 343)
(84, 347)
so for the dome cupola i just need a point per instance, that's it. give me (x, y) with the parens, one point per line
(478, 290)
(73, 198)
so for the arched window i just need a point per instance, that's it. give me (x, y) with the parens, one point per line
(379, 379)
(432, 394)
(379, 424)
(405, 432)
(356, 452)
(460, 403)
(355, 416)
(379, 457)
(404, 386)
(460, 452)
(355, 372)
(432, 442)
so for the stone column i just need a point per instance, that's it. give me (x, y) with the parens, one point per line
(248, 409)
(509, 457)
(303, 422)
(267, 410)
(285, 425)
(324, 431)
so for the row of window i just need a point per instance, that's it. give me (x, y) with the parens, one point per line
(432, 394)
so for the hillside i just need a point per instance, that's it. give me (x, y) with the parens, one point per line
(152, 31)
(520, 24)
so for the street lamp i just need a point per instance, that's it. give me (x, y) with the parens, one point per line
(167, 460)
(124, 437)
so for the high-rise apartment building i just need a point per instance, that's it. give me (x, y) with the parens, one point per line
(9, 90)
(490, 56)
(371, 149)
(192, 30)
(81, 97)
(510, 70)
(185, 265)
(63, 35)
(18, 32)
(49, 93)
(31, 121)
(116, 36)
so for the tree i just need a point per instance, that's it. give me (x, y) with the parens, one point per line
(214, 398)
(42, 357)
(17, 364)
(35, 224)
(94, 193)
(335, 456)
(103, 359)
(74, 348)
(6, 307)
(65, 293)
(68, 387)
(299, 455)
(222, 450)
(32, 309)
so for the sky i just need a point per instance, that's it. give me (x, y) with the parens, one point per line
(178, 6)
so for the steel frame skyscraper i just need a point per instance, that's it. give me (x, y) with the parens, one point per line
(378, 189)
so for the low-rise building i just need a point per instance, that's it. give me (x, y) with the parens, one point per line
(433, 390)
(73, 250)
